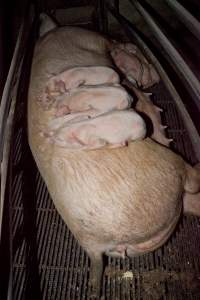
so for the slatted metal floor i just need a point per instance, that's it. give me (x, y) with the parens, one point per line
(49, 263)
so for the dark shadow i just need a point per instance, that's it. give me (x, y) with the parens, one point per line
(32, 286)
(28, 230)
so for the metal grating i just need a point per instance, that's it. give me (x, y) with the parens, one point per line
(49, 264)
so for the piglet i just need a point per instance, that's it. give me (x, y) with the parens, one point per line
(114, 129)
(74, 77)
(102, 98)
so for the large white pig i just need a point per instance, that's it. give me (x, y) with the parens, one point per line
(122, 201)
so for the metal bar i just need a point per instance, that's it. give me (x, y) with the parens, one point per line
(7, 112)
(8, 101)
(190, 127)
(173, 56)
(102, 16)
(4, 176)
(11, 81)
(186, 17)
(116, 3)
(6, 121)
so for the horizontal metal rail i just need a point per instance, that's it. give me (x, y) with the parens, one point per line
(172, 55)
(135, 38)
(185, 17)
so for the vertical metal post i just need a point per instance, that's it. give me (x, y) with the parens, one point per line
(102, 16)
(116, 3)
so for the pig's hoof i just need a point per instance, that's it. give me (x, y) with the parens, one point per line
(94, 289)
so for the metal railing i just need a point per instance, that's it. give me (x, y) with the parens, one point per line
(185, 17)
(172, 55)
(188, 75)
(7, 113)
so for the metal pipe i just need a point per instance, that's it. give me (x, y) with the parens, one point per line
(8, 107)
(11, 82)
(186, 17)
(134, 37)
(116, 3)
(174, 58)
(102, 16)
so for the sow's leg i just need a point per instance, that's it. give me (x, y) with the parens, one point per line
(96, 273)
(191, 198)
(191, 204)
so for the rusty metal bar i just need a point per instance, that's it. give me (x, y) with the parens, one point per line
(173, 56)
(134, 37)
(185, 17)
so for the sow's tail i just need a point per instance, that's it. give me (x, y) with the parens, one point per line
(191, 198)
(46, 24)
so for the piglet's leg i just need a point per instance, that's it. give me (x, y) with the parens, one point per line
(95, 144)
(145, 105)
(118, 145)
(61, 121)
(85, 136)
(80, 135)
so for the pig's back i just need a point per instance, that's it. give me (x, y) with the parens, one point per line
(68, 47)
